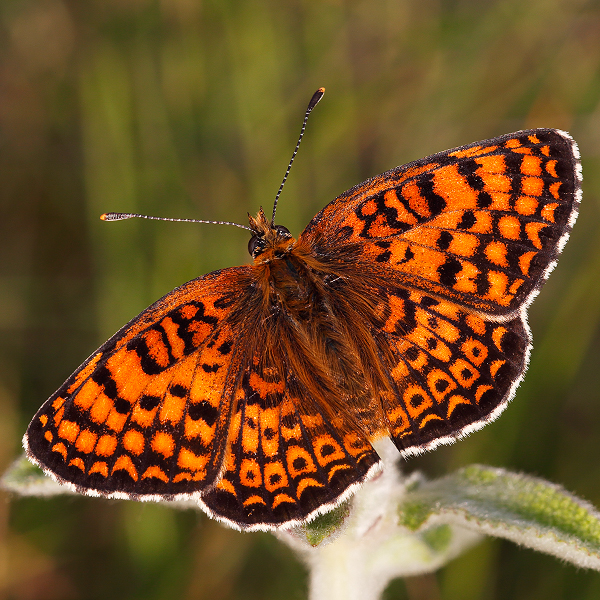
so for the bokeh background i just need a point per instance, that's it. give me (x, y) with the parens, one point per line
(191, 108)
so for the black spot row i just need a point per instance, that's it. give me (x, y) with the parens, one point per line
(205, 411)
(435, 202)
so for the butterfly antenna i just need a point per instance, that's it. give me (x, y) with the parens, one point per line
(111, 216)
(313, 102)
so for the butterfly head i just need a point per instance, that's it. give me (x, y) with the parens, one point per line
(268, 240)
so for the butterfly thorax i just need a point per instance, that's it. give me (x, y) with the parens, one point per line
(286, 279)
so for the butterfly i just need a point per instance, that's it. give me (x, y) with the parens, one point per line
(399, 311)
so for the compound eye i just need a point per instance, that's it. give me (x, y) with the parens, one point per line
(256, 245)
(283, 231)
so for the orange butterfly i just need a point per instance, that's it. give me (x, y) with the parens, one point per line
(400, 311)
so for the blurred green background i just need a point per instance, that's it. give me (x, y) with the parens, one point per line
(191, 108)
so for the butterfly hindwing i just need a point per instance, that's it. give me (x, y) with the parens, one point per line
(454, 370)
(295, 447)
(287, 460)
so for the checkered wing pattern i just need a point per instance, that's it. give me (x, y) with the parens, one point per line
(148, 413)
(456, 246)
(481, 225)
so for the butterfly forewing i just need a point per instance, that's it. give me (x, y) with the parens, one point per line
(148, 413)
(479, 224)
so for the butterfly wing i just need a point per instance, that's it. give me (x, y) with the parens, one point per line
(287, 461)
(453, 369)
(296, 448)
(148, 414)
(451, 250)
(482, 224)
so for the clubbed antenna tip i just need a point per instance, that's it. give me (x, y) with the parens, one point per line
(313, 102)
